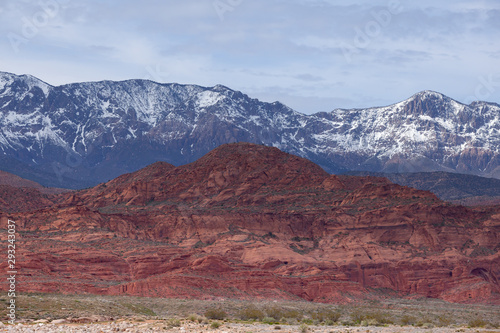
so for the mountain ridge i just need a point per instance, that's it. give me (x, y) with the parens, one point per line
(250, 221)
(452, 187)
(80, 134)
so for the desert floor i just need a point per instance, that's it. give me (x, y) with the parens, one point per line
(39, 312)
(161, 326)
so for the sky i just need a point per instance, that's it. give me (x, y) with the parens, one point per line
(312, 55)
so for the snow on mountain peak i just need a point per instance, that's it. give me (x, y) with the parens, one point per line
(428, 94)
(7, 79)
(208, 98)
(103, 120)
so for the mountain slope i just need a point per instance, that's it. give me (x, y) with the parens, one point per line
(80, 134)
(453, 187)
(427, 132)
(248, 221)
(225, 172)
(18, 194)
(12, 180)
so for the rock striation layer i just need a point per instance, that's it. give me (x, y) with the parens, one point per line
(249, 221)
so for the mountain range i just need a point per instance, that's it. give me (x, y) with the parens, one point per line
(81, 134)
(248, 221)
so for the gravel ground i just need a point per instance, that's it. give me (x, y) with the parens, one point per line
(162, 326)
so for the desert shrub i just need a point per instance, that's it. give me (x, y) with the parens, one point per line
(423, 321)
(360, 316)
(193, 317)
(275, 312)
(215, 324)
(269, 320)
(174, 322)
(318, 315)
(357, 316)
(293, 314)
(215, 313)
(477, 322)
(407, 320)
(378, 318)
(443, 320)
(303, 328)
(369, 322)
(251, 313)
(289, 321)
(326, 315)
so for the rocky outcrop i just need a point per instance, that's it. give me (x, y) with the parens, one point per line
(248, 221)
(21, 195)
(14, 199)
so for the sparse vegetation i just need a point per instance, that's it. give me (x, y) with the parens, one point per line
(379, 318)
(215, 324)
(293, 314)
(269, 320)
(275, 312)
(407, 320)
(193, 317)
(477, 322)
(423, 313)
(174, 322)
(139, 309)
(357, 316)
(328, 315)
(444, 320)
(251, 313)
(215, 313)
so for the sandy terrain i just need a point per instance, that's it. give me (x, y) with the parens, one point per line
(162, 326)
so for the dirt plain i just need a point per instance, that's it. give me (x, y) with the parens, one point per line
(91, 313)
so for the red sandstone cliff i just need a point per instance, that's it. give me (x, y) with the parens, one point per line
(251, 221)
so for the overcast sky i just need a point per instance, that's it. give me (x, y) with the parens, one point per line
(313, 55)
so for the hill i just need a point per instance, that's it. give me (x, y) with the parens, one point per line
(249, 221)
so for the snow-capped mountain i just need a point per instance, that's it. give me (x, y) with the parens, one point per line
(80, 134)
(427, 132)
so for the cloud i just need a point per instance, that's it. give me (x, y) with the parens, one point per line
(309, 78)
(298, 45)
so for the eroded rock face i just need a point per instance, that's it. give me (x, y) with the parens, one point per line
(250, 221)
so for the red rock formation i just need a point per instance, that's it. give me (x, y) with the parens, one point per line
(13, 199)
(10, 179)
(250, 221)
(20, 195)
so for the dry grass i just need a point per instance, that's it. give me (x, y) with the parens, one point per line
(421, 313)
(215, 313)
(251, 313)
